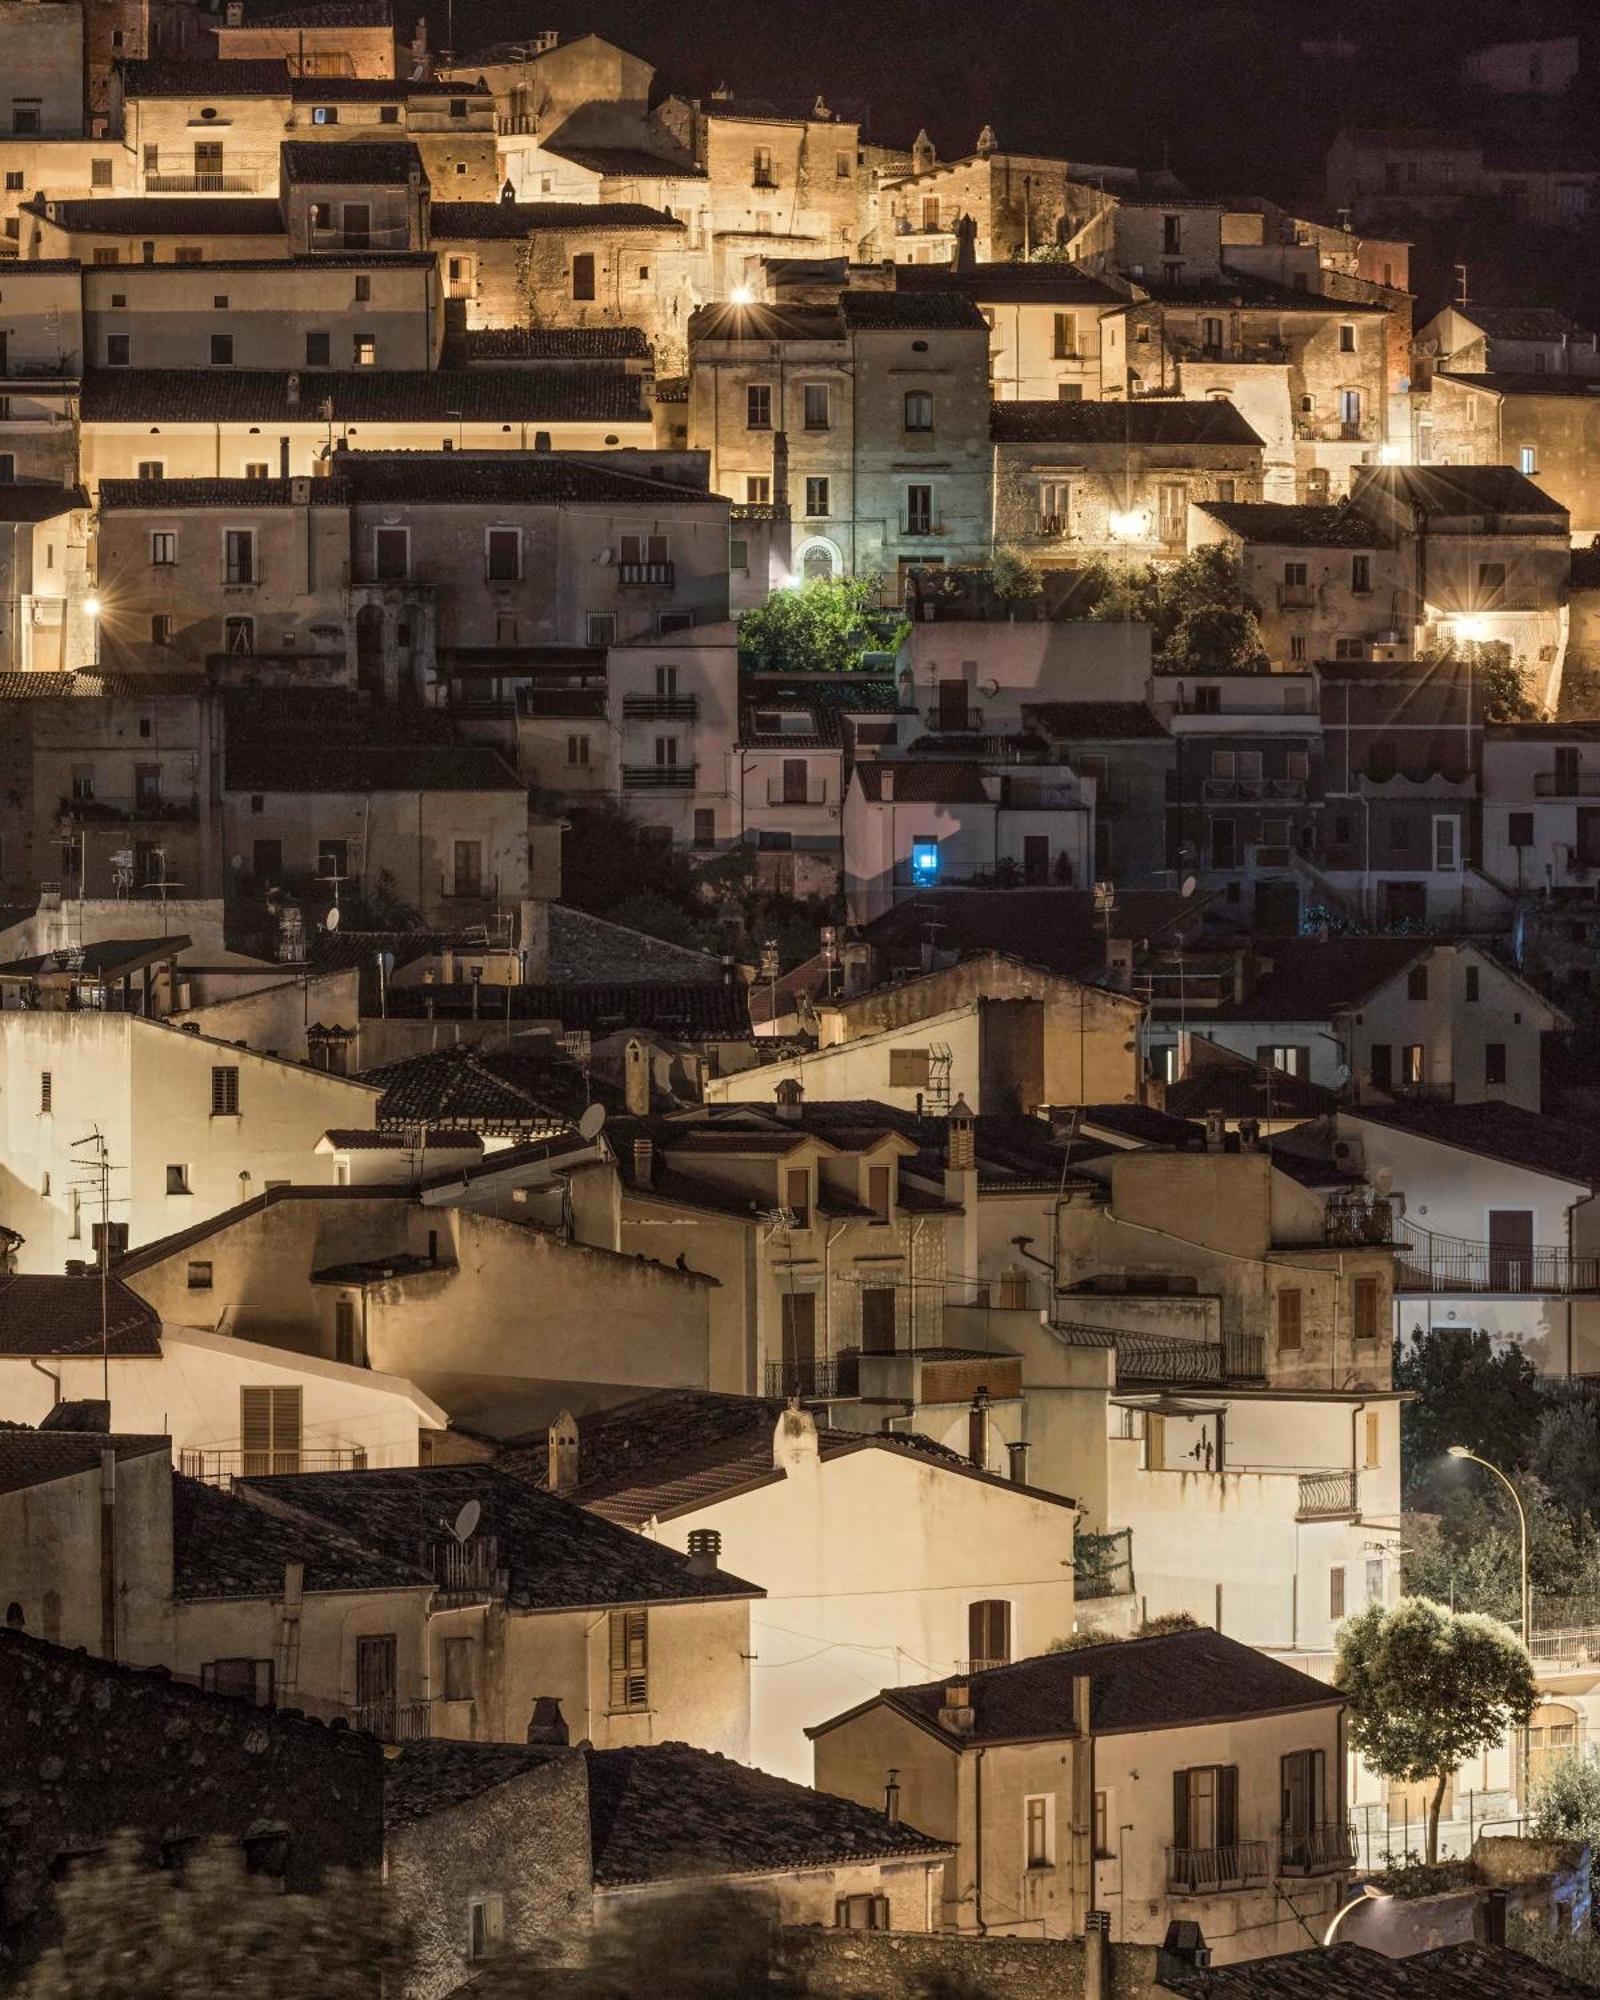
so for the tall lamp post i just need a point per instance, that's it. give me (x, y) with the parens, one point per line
(1460, 1451)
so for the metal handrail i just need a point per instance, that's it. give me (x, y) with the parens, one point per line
(1327, 1496)
(1204, 1871)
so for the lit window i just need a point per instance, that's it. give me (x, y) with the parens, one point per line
(924, 861)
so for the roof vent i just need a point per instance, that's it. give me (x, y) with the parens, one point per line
(705, 1547)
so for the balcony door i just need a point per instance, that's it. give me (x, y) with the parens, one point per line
(1510, 1249)
(952, 704)
(1304, 1791)
(376, 1676)
(799, 1343)
(1205, 1817)
(357, 225)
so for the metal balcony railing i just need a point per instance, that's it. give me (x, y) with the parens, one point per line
(234, 173)
(662, 707)
(658, 777)
(1561, 785)
(1426, 1264)
(637, 573)
(1167, 1359)
(1327, 1496)
(1210, 1871)
(1296, 596)
(393, 1721)
(1317, 1850)
(946, 721)
(466, 1568)
(1348, 1221)
(1244, 790)
(811, 1381)
(221, 1468)
(780, 794)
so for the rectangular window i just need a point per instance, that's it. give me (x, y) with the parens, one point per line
(324, 114)
(1413, 1065)
(270, 1430)
(239, 555)
(1446, 844)
(1417, 983)
(1055, 506)
(1065, 343)
(988, 1634)
(817, 496)
(577, 750)
(239, 1679)
(317, 350)
(918, 410)
(199, 1274)
(1491, 584)
(758, 407)
(761, 174)
(391, 554)
(1472, 982)
(1528, 459)
(486, 1925)
(1290, 1302)
(178, 1180)
(1037, 1830)
(815, 398)
(458, 1663)
(364, 350)
(1371, 1439)
(346, 1343)
(225, 1091)
(222, 350)
(1347, 339)
(705, 826)
(908, 1069)
(163, 547)
(919, 510)
(880, 1193)
(1205, 1813)
(1102, 1828)
(1361, 575)
(1336, 1592)
(877, 1319)
(1365, 1296)
(862, 1912)
(583, 275)
(503, 554)
(119, 350)
(1494, 1065)
(757, 490)
(467, 868)
(630, 1659)
(797, 1195)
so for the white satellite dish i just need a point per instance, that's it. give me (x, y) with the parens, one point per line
(331, 921)
(590, 1124)
(1189, 886)
(466, 1522)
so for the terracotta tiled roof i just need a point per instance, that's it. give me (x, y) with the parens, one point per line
(559, 1555)
(44, 1314)
(322, 14)
(1524, 323)
(1023, 284)
(480, 1088)
(548, 394)
(911, 312)
(161, 215)
(625, 162)
(555, 343)
(223, 1546)
(477, 221)
(934, 781)
(1112, 721)
(34, 1458)
(195, 76)
(1165, 1682)
(351, 162)
(1279, 525)
(1142, 422)
(1557, 1146)
(430, 1777)
(665, 1810)
(1350, 1972)
(39, 503)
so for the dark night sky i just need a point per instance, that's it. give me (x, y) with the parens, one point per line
(1220, 87)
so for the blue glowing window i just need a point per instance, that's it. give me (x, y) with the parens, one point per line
(924, 861)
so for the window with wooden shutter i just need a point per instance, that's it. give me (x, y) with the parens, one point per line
(224, 1091)
(269, 1430)
(1303, 1809)
(1336, 1592)
(988, 1634)
(797, 1195)
(1289, 1319)
(880, 1184)
(1366, 1308)
(861, 1913)
(908, 1069)
(877, 1319)
(1155, 1442)
(1373, 1441)
(630, 1659)
(45, 1091)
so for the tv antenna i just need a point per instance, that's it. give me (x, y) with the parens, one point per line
(96, 1161)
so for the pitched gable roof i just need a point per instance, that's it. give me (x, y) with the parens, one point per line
(48, 1315)
(35, 1458)
(1148, 421)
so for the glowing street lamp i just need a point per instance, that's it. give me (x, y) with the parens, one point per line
(1460, 1451)
(1472, 628)
(1129, 524)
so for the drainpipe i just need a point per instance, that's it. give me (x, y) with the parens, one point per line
(108, 1555)
(977, 1844)
(55, 1380)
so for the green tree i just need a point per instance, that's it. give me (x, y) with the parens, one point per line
(1013, 577)
(1199, 613)
(1428, 1687)
(607, 856)
(1574, 1954)
(716, 1942)
(823, 627)
(146, 1933)
(1464, 1393)
(1566, 1449)
(1565, 1802)
(1505, 693)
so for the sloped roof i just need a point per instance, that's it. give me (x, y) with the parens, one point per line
(583, 946)
(39, 502)
(201, 77)
(321, 14)
(1506, 383)
(1013, 284)
(34, 1458)
(349, 767)
(1560, 1147)
(555, 343)
(624, 162)
(433, 1775)
(930, 781)
(162, 215)
(45, 1314)
(664, 1811)
(1111, 721)
(481, 1088)
(559, 1555)
(1307, 979)
(1167, 1681)
(1524, 322)
(766, 322)
(223, 1546)
(351, 162)
(911, 312)
(1343, 1971)
(826, 698)
(1280, 525)
(478, 221)
(1053, 928)
(508, 478)
(549, 394)
(1145, 421)
(1447, 490)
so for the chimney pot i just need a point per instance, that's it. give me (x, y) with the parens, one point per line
(956, 1715)
(644, 1162)
(705, 1548)
(563, 1473)
(891, 1798)
(547, 1724)
(636, 1077)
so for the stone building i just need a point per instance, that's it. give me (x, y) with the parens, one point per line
(1007, 204)
(1543, 425)
(1076, 481)
(354, 38)
(1329, 582)
(1044, 324)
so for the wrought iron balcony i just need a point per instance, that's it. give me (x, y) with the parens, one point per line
(1318, 1850)
(1349, 1221)
(948, 721)
(1565, 785)
(221, 1468)
(640, 573)
(1213, 1871)
(1168, 1359)
(1427, 1264)
(393, 1721)
(658, 777)
(1327, 1496)
(811, 1381)
(662, 707)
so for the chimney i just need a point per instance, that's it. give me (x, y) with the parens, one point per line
(547, 1724)
(923, 155)
(886, 783)
(562, 1476)
(1183, 1951)
(291, 390)
(1017, 1455)
(957, 1715)
(790, 1093)
(233, 14)
(891, 1798)
(1097, 1955)
(960, 1148)
(1119, 962)
(705, 1549)
(644, 1162)
(1216, 1132)
(987, 143)
(636, 1077)
(541, 440)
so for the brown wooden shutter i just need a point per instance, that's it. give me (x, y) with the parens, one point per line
(1227, 1805)
(630, 1662)
(1180, 1808)
(1289, 1318)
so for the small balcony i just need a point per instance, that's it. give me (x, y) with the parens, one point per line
(1566, 784)
(944, 721)
(393, 1721)
(643, 575)
(812, 1381)
(913, 530)
(1168, 1360)
(222, 1468)
(658, 777)
(781, 793)
(1297, 597)
(1318, 1850)
(467, 1569)
(1260, 791)
(1327, 1496)
(234, 173)
(661, 707)
(1426, 1265)
(146, 812)
(1351, 1221)
(1214, 1871)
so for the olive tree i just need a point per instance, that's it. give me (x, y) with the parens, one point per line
(1428, 1687)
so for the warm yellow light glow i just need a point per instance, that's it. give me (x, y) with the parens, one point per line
(741, 295)
(1130, 525)
(91, 606)
(1389, 454)
(1472, 628)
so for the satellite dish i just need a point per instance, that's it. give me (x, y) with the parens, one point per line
(465, 1522)
(331, 921)
(1188, 889)
(590, 1123)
